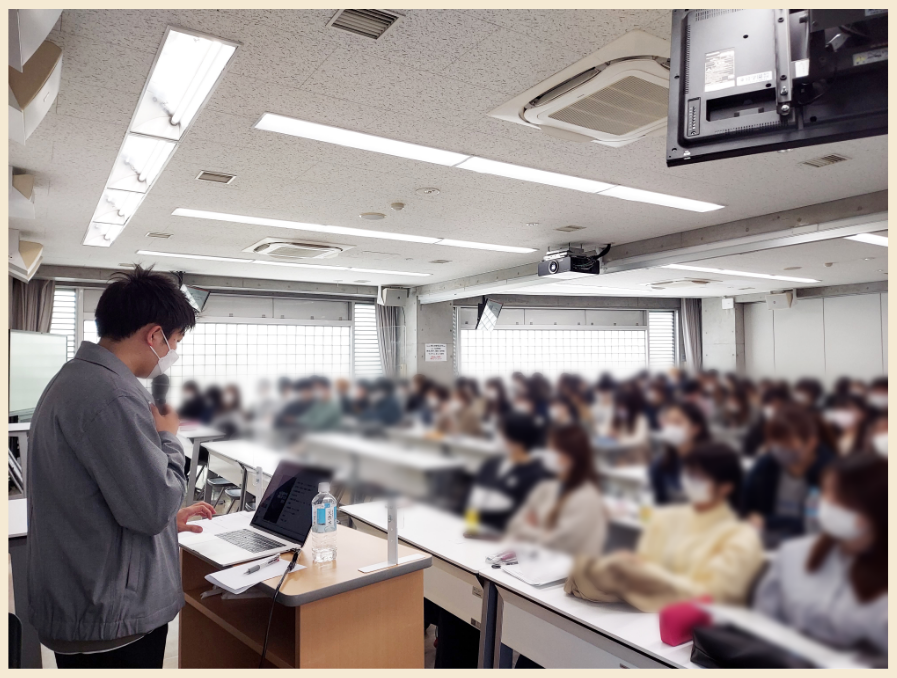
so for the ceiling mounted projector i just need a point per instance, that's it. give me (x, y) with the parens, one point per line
(571, 262)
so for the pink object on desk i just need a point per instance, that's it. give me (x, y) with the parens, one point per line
(678, 621)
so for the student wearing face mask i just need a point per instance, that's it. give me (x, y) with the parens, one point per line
(683, 427)
(460, 416)
(808, 392)
(497, 403)
(628, 426)
(230, 418)
(566, 513)
(773, 399)
(603, 405)
(782, 482)
(847, 415)
(877, 398)
(325, 413)
(105, 485)
(384, 408)
(833, 587)
(562, 412)
(877, 435)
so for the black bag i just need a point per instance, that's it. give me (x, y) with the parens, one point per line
(727, 647)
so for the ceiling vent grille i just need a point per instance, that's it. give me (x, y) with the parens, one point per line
(569, 229)
(370, 23)
(825, 160)
(674, 284)
(152, 234)
(624, 107)
(285, 250)
(216, 177)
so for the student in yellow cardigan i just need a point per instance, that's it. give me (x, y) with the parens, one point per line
(686, 551)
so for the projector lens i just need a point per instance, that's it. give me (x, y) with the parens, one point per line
(553, 267)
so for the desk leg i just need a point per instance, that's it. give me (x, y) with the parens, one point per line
(31, 658)
(492, 653)
(243, 488)
(194, 472)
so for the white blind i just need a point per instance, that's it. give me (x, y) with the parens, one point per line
(65, 303)
(367, 348)
(662, 339)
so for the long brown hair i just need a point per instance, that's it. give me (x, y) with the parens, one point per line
(572, 441)
(862, 485)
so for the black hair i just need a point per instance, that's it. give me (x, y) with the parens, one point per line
(139, 298)
(881, 383)
(521, 429)
(812, 386)
(303, 384)
(775, 394)
(190, 386)
(721, 464)
(691, 387)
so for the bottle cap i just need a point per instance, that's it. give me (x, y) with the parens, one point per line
(323, 487)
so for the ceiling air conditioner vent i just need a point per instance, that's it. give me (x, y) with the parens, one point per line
(371, 23)
(216, 177)
(825, 160)
(613, 97)
(286, 250)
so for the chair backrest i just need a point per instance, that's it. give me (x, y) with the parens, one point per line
(15, 642)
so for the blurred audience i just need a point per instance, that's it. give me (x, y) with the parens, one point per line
(193, 406)
(683, 426)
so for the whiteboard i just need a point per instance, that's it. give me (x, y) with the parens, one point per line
(34, 359)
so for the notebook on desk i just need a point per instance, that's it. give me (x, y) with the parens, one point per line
(540, 567)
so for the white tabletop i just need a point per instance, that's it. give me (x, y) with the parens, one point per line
(418, 435)
(18, 518)
(21, 427)
(437, 532)
(621, 622)
(247, 453)
(636, 474)
(380, 451)
(193, 431)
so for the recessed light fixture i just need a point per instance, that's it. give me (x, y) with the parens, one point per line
(569, 229)
(740, 274)
(791, 268)
(158, 235)
(186, 70)
(368, 142)
(372, 216)
(206, 257)
(870, 239)
(343, 230)
(427, 191)
(440, 261)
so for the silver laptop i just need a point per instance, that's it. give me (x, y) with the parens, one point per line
(282, 519)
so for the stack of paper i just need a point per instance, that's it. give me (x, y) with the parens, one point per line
(235, 580)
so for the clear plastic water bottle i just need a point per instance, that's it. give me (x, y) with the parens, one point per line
(323, 525)
(811, 511)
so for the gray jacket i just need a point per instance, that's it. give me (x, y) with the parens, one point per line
(103, 491)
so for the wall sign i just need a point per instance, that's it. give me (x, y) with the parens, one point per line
(435, 353)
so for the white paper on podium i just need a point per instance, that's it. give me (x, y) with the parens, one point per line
(385, 563)
(235, 580)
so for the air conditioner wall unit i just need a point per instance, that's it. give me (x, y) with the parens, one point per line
(24, 257)
(613, 97)
(776, 302)
(392, 296)
(33, 91)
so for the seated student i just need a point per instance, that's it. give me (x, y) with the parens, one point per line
(772, 400)
(229, 417)
(417, 394)
(497, 403)
(325, 412)
(736, 410)
(461, 415)
(288, 418)
(697, 549)
(603, 405)
(847, 414)
(808, 392)
(384, 408)
(566, 513)
(437, 401)
(193, 406)
(628, 426)
(877, 397)
(504, 483)
(781, 481)
(344, 396)
(683, 427)
(562, 412)
(833, 586)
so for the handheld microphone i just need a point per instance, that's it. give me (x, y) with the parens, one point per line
(160, 386)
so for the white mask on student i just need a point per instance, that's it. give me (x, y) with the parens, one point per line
(552, 462)
(165, 362)
(880, 443)
(768, 412)
(878, 400)
(839, 522)
(841, 418)
(674, 435)
(698, 491)
(559, 415)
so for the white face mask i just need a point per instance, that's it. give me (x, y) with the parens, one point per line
(673, 434)
(697, 491)
(552, 462)
(839, 522)
(802, 398)
(768, 412)
(878, 400)
(840, 418)
(559, 415)
(880, 443)
(165, 362)
(491, 394)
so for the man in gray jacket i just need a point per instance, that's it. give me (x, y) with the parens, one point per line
(105, 484)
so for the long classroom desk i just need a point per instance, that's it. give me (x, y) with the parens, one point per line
(473, 451)
(192, 438)
(522, 617)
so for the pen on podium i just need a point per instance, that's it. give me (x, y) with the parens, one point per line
(256, 568)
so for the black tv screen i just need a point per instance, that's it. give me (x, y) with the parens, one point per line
(745, 81)
(487, 317)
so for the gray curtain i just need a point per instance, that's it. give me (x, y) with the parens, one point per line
(691, 333)
(388, 337)
(31, 305)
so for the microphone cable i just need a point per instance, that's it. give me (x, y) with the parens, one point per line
(274, 602)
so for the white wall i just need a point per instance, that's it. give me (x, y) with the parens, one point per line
(823, 338)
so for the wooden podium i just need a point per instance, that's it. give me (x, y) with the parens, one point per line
(328, 615)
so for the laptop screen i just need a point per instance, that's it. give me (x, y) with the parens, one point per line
(285, 510)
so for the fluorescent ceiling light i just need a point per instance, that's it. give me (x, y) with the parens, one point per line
(183, 77)
(870, 239)
(343, 230)
(638, 195)
(139, 163)
(448, 242)
(504, 169)
(365, 142)
(117, 207)
(740, 274)
(204, 257)
(101, 235)
(382, 272)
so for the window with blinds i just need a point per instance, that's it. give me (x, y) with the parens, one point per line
(64, 318)
(661, 339)
(366, 346)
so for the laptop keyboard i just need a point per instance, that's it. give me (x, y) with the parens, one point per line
(250, 541)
